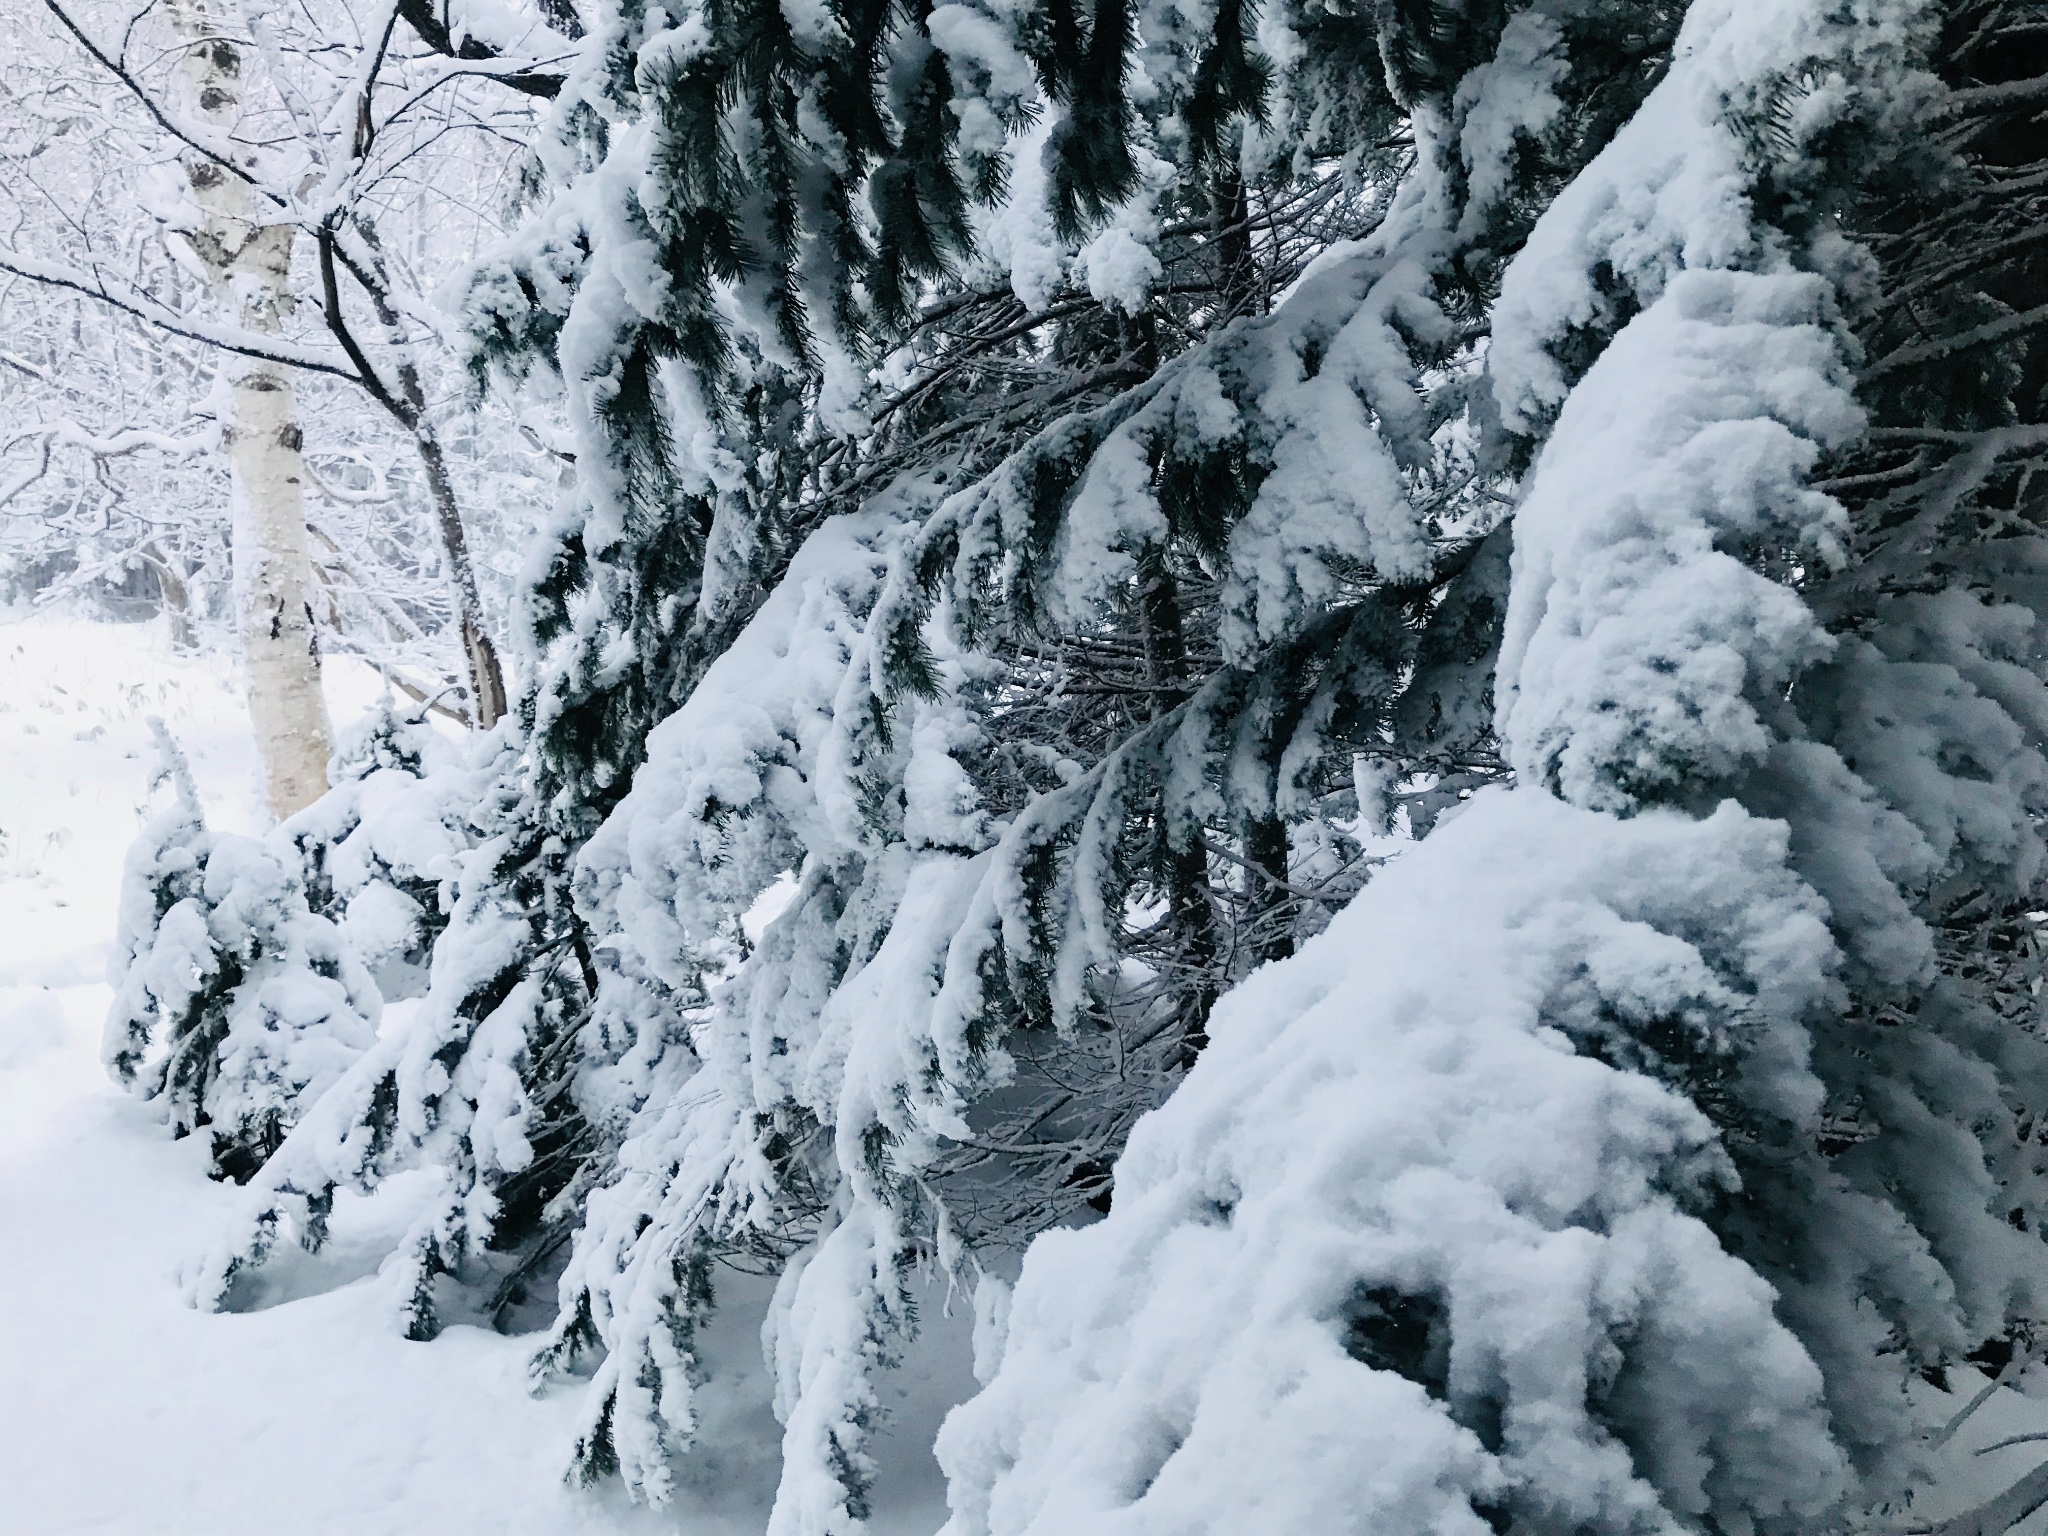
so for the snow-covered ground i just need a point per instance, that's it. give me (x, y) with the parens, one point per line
(123, 1411)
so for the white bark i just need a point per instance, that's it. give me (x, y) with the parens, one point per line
(250, 263)
(280, 659)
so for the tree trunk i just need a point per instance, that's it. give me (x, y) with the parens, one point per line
(479, 655)
(172, 588)
(280, 654)
(1230, 223)
(1269, 905)
(250, 264)
(1186, 865)
(486, 678)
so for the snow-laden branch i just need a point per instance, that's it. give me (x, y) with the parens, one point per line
(117, 294)
(1923, 354)
(28, 477)
(504, 71)
(1994, 1517)
(115, 445)
(341, 496)
(2005, 96)
(531, 77)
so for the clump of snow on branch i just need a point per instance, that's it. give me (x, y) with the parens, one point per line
(1400, 1254)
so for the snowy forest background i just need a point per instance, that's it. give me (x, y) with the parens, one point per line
(1160, 767)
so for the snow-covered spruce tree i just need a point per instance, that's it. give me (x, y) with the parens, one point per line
(1162, 697)
(1032, 734)
(1173, 695)
(1635, 1210)
(419, 853)
(234, 1002)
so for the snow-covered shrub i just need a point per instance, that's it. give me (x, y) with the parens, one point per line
(376, 848)
(450, 1087)
(235, 1004)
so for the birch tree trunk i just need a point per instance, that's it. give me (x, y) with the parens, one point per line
(250, 264)
(172, 587)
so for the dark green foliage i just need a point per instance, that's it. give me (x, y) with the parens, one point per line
(1407, 1334)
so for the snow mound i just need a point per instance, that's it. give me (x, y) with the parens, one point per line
(1403, 1248)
